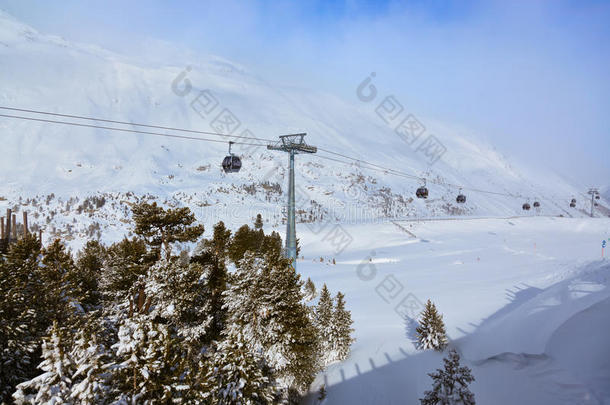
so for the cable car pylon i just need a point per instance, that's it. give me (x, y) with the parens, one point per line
(292, 144)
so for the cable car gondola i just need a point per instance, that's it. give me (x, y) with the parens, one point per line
(536, 204)
(597, 197)
(526, 207)
(422, 192)
(461, 198)
(573, 203)
(231, 163)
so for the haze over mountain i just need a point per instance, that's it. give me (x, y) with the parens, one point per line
(48, 73)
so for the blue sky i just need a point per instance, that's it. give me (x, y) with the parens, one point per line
(529, 76)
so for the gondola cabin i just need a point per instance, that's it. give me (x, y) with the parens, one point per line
(422, 192)
(231, 164)
(461, 199)
(536, 204)
(526, 207)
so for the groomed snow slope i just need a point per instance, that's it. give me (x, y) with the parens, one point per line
(524, 300)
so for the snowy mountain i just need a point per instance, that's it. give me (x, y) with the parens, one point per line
(54, 168)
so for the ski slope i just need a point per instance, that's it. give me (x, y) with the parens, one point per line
(524, 300)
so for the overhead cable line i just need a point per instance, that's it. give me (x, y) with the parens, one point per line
(194, 138)
(82, 117)
(365, 164)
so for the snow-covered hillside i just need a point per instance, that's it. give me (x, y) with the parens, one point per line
(44, 72)
(525, 302)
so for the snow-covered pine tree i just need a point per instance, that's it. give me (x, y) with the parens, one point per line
(265, 304)
(147, 367)
(62, 290)
(243, 302)
(450, 386)
(54, 385)
(89, 381)
(180, 297)
(89, 265)
(324, 323)
(341, 329)
(161, 227)
(126, 261)
(237, 375)
(258, 224)
(291, 335)
(21, 320)
(244, 240)
(309, 292)
(212, 255)
(431, 330)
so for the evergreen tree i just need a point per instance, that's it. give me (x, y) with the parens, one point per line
(89, 265)
(179, 296)
(310, 292)
(341, 329)
(89, 383)
(22, 321)
(324, 323)
(237, 375)
(450, 386)
(272, 246)
(127, 260)
(54, 385)
(244, 240)
(147, 367)
(258, 224)
(212, 255)
(62, 292)
(291, 333)
(161, 227)
(431, 330)
(243, 300)
(265, 304)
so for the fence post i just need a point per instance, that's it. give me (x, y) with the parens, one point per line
(8, 224)
(25, 223)
(14, 227)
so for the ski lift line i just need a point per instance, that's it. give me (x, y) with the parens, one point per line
(82, 117)
(388, 171)
(397, 172)
(372, 166)
(381, 168)
(193, 138)
(406, 175)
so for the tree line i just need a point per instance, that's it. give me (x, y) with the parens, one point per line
(140, 322)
